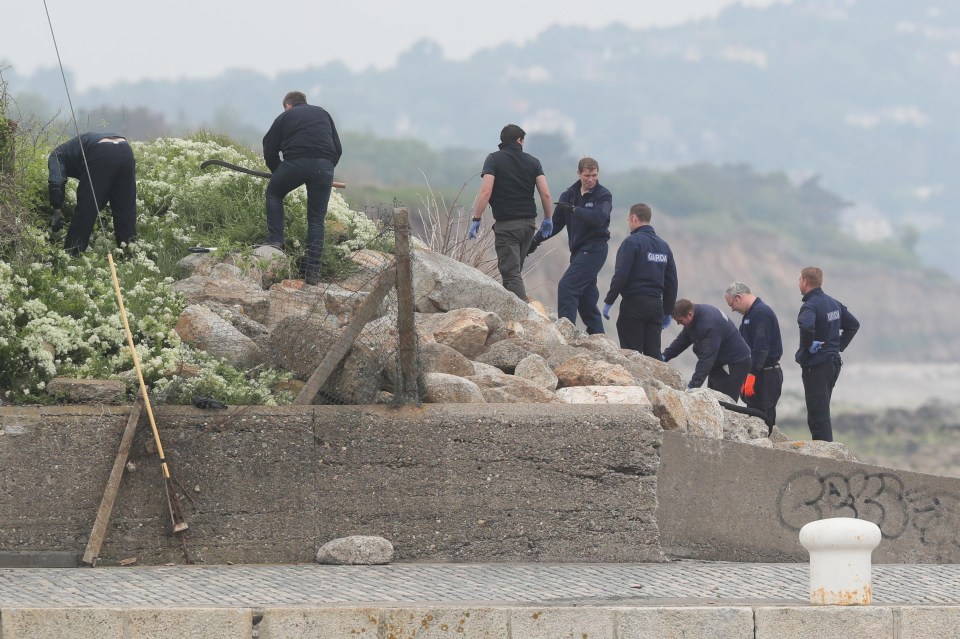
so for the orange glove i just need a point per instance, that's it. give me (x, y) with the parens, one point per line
(747, 388)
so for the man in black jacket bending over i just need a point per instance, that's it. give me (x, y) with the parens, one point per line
(109, 176)
(716, 343)
(307, 138)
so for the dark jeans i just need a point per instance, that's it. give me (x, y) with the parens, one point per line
(729, 383)
(317, 174)
(818, 383)
(577, 289)
(640, 323)
(113, 170)
(766, 394)
(512, 239)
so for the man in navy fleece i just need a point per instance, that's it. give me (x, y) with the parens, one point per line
(723, 358)
(761, 331)
(584, 209)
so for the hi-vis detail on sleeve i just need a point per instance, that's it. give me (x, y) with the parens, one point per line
(657, 257)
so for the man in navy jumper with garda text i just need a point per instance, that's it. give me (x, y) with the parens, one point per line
(308, 139)
(508, 179)
(584, 209)
(723, 358)
(761, 331)
(826, 329)
(646, 277)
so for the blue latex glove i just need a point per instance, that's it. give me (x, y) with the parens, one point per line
(546, 228)
(474, 229)
(606, 310)
(666, 321)
(815, 346)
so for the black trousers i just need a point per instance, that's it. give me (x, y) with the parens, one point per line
(730, 382)
(113, 171)
(317, 175)
(818, 383)
(640, 323)
(766, 394)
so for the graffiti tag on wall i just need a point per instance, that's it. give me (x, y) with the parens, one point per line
(881, 498)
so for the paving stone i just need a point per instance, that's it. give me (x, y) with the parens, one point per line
(817, 622)
(56, 623)
(925, 622)
(685, 623)
(218, 623)
(562, 623)
(435, 622)
(312, 623)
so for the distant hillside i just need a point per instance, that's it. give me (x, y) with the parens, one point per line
(861, 93)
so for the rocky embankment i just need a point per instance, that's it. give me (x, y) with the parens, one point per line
(478, 343)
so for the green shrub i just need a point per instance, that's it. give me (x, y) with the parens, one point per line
(182, 206)
(59, 314)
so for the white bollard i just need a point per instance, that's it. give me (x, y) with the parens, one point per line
(840, 550)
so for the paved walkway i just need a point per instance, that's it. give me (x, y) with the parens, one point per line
(677, 583)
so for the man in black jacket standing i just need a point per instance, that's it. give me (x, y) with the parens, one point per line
(646, 277)
(584, 209)
(109, 176)
(508, 179)
(723, 358)
(761, 331)
(826, 329)
(307, 138)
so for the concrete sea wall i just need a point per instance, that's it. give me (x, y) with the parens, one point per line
(464, 483)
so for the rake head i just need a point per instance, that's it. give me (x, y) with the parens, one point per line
(174, 490)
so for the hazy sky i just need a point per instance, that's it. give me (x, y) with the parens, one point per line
(105, 41)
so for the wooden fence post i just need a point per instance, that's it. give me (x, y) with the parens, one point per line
(407, 389)
(364, 313)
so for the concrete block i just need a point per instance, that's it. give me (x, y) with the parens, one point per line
(562, 623)
(250, 514)
(685, 623)
(209, 623)
(446, 623)
(39, 559)
(319, 623)
(849, 622)
(697, 518)
(929, 622)
(56, 623)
